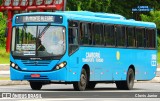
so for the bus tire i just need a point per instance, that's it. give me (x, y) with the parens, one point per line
(90, 85)
(81, 85)
(128, 84)
(36, 85)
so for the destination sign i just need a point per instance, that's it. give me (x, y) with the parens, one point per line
(39, 18)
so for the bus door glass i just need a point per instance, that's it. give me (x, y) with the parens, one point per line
(73, 37)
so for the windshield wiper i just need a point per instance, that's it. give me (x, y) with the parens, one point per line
(44, 30)
(40, 34)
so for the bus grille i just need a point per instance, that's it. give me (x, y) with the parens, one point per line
(36, 62)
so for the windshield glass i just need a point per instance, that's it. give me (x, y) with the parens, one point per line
(38, 41)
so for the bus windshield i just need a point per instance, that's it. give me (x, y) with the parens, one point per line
(38, 41)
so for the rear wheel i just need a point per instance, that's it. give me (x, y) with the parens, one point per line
(36, 85)
(128, 84)
(81, 85)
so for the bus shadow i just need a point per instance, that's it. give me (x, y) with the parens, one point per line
(95, 89)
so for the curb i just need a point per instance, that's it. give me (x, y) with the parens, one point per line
(9, 82)
(4, 72)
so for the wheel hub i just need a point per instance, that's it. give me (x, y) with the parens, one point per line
(83, 80)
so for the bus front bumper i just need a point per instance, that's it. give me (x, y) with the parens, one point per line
(58, 75)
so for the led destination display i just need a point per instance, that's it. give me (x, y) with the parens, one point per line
(39, 18)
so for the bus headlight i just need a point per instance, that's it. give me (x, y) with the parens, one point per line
(61, 65)
(15, 66)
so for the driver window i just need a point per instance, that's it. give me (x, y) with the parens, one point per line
(73, 36)
(73, 40)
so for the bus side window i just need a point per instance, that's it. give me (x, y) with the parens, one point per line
(150, 38)
(98, 32)
(140, 37)
(84, 33)
(109, 35)
(90, 35)
(120, 34)
(130, 37)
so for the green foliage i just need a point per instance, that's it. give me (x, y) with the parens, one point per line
(154, 16)
(124, 7)
(88, 5)
(0, 2)
(158, 43)
(2, 30)
(158, 57)
(4, 56)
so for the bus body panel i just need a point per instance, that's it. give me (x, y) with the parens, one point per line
(110, 69)
(105, 64)
(112, 64)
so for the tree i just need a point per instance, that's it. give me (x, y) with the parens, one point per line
(124, 7)
(2, 30)
(154, 16)
(0, 2)
(88, 5)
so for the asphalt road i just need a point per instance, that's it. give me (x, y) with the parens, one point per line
(102, 87)
(55, 91)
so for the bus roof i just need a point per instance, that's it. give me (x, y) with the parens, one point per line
(96, 17)
(97, 14)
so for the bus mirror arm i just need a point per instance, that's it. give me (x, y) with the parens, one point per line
(6, 32)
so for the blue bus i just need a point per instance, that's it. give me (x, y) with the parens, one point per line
(82, 48)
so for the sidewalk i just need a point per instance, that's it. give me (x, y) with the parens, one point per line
(4, 72)
(9, 82)
(158, 69)
(4, 67)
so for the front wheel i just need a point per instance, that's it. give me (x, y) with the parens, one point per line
(36, 85)
(81, 85)
(128, 84)
(91, 85)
